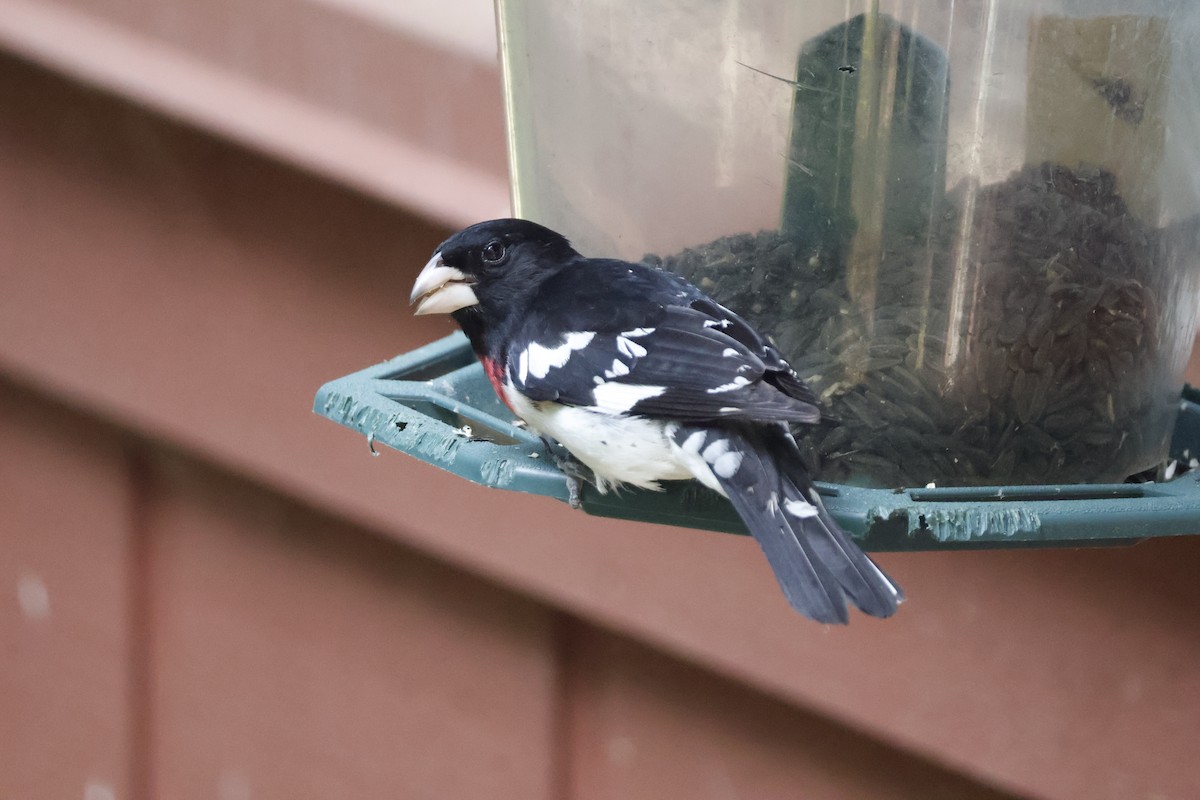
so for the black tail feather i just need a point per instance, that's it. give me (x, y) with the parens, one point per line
(815, 562)
(803, 572)
(864, 583)
(868, 586)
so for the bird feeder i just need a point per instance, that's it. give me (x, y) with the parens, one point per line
(974, 231)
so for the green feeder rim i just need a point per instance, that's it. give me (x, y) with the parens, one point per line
(436, 404)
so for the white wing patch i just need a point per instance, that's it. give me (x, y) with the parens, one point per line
(799, 508)
(736, 383)
(723, 461)
(694, 441)
(618, 398)
(726, 465)
(715, 450)
(629, 347)
(523, 365)
(617, 369)
(537, 360)
(707, 464)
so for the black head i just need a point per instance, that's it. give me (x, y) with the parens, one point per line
(490, 268)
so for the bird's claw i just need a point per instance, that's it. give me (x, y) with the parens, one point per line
(575, 471)
(574, 492)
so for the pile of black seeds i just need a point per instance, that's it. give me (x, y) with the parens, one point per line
(1053, 379)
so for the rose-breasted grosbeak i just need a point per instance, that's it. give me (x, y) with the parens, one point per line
(643, 378)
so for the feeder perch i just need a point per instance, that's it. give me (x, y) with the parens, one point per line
(436, 404)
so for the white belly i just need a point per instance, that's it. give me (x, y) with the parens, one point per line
(631, 450)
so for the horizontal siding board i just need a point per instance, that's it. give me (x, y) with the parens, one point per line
(387, 114)
(646, 726)
(296, 656)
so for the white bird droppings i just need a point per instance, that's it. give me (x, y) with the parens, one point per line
(621, 751)
(94, 790)
(33, 597)
(233, 786)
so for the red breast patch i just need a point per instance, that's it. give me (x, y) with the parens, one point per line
(495, 373)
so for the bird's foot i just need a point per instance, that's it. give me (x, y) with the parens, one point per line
(575, 471)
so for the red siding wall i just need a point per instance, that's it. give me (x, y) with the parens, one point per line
(211, 592)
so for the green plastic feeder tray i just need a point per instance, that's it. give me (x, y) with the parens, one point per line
(436, 404)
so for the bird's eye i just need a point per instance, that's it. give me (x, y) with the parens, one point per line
(494, 252)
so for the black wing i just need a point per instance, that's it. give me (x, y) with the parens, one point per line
(627, 338)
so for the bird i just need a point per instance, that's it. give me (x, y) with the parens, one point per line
(643, 378)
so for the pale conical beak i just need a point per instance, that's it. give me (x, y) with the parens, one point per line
(442, 289)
